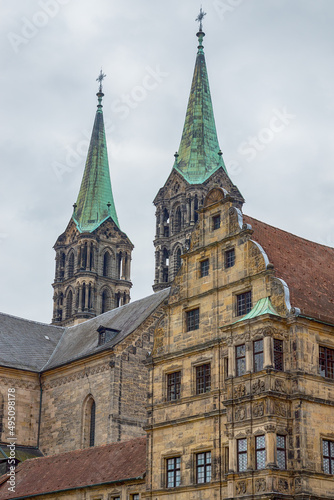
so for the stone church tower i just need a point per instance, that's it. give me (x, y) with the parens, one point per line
(93, 255)
(198, 167)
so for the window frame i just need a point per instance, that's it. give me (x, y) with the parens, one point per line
(237, 358)
(280, 449)
(203, 381)
(228, 263)
(134, 496)
(243, 308)
(174, 383)
(216, 218)
(277, 353)
(204, 270)
(259, 451)
(175, 470)
(329, 457)
(206, 466)
(192, 324)
(242, 453)
(257, 354)
(327, 373)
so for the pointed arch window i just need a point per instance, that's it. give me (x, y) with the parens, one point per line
(69, 304)
(195, 208)
(71, 265)
(89, 422)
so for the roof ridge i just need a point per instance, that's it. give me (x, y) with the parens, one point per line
(31, 320)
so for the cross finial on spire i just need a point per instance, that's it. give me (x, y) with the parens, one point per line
(100, 79)
(200, 17)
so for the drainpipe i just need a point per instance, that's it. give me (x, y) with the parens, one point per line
(40, 408)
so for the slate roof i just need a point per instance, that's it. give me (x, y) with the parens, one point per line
(26, 344)
(81, 340)
(306, 267)
(29, 345)
(115, 462)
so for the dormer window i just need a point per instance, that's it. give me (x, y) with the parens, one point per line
(106, 334)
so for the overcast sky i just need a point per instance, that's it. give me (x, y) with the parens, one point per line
(271, 72)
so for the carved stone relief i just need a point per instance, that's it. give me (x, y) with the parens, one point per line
(280, 409)
(260, 485)
(258, 409)
(258, 387)
(241, 487)
(239, 391)
(280, 386)
(240, 413)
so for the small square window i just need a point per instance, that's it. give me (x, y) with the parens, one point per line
(244, 303)
(281, 452)
(192, 320)
(242, 454)
(260, 451)
(204, 268)
(240, 356)
(258, 355)
(278, 354)
(326, 362)
(173, 466)
(229, 258)
(173, 386)
(203, 467)
(328, 456)
(216, 222)
(203, 378)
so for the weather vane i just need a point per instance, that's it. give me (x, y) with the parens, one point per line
(199, 18)
(100, 79)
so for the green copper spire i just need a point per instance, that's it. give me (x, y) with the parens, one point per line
(199, 154)
(95, 202)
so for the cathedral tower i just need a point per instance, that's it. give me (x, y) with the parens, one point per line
(198, 167)
(93, 255)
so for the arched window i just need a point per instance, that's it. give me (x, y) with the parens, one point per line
(69, 304)
(106, 264)
(62, 260)
(83, 297)
(177, 220)
(84, 257)
(106, 305)
(89, 422)
(91, 257)
(71, 265)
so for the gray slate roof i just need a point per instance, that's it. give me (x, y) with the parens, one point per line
(23, 343)
(26, 344)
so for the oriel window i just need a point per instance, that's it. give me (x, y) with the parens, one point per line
(278, 354)
(242, 454)
(281, 452)
(240, 355)
(260, 451)
(258, 355)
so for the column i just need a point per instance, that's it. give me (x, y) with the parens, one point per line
(270, 447)
(267, 352)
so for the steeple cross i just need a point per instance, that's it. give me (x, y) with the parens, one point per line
(100, 79)
(200, 17)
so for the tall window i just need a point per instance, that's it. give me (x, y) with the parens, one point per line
(244, 303)
(203, 467)
(92, 424)
(173, 386)
(281, 452)
(215, 222)
(69, 304)
(106, 264)
(258, 355)
(203, 378)
(260, 452)
(204, 268)
(326, 362)
(242, 454)
(229, 258)
(177, 261)
(177, 221)
(173, 472)
(192, 320)
(328, 456)
(278, 354)
(240, 358)
(71, 265)
(105, 306)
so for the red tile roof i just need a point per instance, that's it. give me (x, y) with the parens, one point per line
(305, 266)
(76, 469)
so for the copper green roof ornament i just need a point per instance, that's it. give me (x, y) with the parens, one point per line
(197, 156)
(95, 191)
